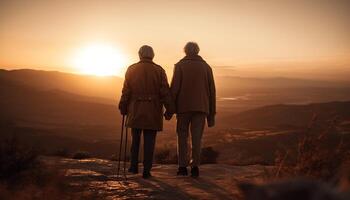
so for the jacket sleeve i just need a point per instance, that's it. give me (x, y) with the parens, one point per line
(212, 93)
(176, 84)
(165, 95)
(125, 97)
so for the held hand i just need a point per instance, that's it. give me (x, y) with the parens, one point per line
(211, 120)
(123, 109)
(123, 112)
(168, 116)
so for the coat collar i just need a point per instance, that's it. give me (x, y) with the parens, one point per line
(149, 60)
(194, 57)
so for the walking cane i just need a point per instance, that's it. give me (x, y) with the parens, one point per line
(120, 145)
(125, 149)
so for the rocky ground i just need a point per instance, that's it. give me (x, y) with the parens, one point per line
(97, 178)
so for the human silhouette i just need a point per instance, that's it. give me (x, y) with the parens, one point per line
(193, 90)
(144, 93)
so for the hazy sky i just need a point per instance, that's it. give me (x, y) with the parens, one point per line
(275, 35)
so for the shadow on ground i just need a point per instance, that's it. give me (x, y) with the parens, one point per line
(97, 178)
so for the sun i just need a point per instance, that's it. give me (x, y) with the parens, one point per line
(100, 60)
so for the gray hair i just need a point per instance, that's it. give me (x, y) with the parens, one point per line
(146, 52)
(191, 48)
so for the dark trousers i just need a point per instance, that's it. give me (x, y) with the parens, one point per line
(186, 122)
(149, 140)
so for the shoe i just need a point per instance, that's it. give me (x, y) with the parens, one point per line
(133, 170)
(182, 171)
(146, 175)
(194, 172)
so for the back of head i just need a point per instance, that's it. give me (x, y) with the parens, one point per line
(191, 49)
(146, 52)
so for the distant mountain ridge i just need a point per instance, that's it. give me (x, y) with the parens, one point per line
(110, 87)
(274, 116)
(56, 110)
(57, 115)
(234, 84)
(93, 86)
(80, 96)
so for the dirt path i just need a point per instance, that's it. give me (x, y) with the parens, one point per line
(96, 177)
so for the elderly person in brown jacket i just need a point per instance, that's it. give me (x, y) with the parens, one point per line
(193, 90)
(145, 92)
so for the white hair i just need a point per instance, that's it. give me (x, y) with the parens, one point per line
(146, 52)
(191, 48)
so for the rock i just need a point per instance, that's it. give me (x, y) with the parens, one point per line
(98, 177)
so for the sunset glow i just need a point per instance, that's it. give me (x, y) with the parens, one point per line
(100, 60)
(274, 38)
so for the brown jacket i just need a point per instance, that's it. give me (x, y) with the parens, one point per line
(193, 87)
(144, 93)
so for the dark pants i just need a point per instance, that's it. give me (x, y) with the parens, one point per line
(186, 122)
(149, 140)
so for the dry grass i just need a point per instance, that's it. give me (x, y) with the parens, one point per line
(166, 155)
(23, 176)
(320, 154)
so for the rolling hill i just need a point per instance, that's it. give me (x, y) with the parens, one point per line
(55, 110)
(277, 116)
(62, 110)
(108, 88)
(104, 89)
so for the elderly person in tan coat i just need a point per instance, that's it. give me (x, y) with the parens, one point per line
(145, 92)
(193, 90)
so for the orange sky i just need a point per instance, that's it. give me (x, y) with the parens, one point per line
(273, 37)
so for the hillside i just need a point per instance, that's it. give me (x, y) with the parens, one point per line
(56, 111)
(109, 87)
(103, 87)
(57, 118)
(277, 116)
(276, 82)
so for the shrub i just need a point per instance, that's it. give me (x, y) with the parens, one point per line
(23, 176)
(61, 153)
(166, 155)
(162, 156)
(209, 155)
(319, 155)
(81, 155)
(16, 159)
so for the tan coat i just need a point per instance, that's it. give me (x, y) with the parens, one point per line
(193, 87)
(144, 93)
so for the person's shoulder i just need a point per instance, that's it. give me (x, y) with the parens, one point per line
(201, 59)
(158, 67)
(132, 68)
(205, 62)
(191, 59)
(181, 61)
(133, 65)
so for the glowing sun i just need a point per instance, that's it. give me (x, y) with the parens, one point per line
(100, 60)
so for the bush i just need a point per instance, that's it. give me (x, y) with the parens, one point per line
(16, 159)
(209, 155)
(81, 155)
(162, 156)
(61, 153)
(319, 155)
(166, 155)
(23, 176)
